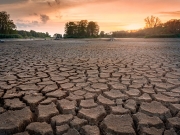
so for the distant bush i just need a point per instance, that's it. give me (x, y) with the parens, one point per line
(33, 34)
(10, 36)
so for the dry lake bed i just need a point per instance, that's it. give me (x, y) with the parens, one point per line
(90, 87)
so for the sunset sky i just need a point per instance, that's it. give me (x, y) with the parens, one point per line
(111, 15)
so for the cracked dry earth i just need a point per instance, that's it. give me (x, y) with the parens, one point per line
(90, 87)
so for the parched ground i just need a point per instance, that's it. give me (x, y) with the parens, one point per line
(90, 87)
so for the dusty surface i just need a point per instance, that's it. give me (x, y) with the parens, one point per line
(90, 87)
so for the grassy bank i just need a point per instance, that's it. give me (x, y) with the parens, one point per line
(10, 36)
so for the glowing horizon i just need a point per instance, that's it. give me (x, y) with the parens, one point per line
(115, 15)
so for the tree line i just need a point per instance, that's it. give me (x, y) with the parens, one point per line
(84, 29)
(81, 29)
(153, 28)
(32, 33)
(8, 29)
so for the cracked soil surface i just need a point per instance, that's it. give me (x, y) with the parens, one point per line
(90, 87)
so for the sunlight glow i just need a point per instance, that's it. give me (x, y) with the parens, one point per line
(133, 27)
(114, 15)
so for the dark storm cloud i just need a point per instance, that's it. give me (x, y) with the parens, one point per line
(44, 18)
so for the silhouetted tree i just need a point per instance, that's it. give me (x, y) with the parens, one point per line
(92, 29)
(32, 33)
(119, 33)
(82, 28)
(7, 26)
(173, 26)
(22, 33)
(102, 34)
(71, 30)
(47, 34)
(152, 22)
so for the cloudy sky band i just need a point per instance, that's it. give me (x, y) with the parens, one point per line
(51, 15)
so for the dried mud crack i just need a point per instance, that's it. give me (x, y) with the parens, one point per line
(75, 87)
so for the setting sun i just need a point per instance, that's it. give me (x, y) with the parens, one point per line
(134, 27)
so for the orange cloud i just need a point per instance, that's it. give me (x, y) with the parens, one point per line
(171, 13)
